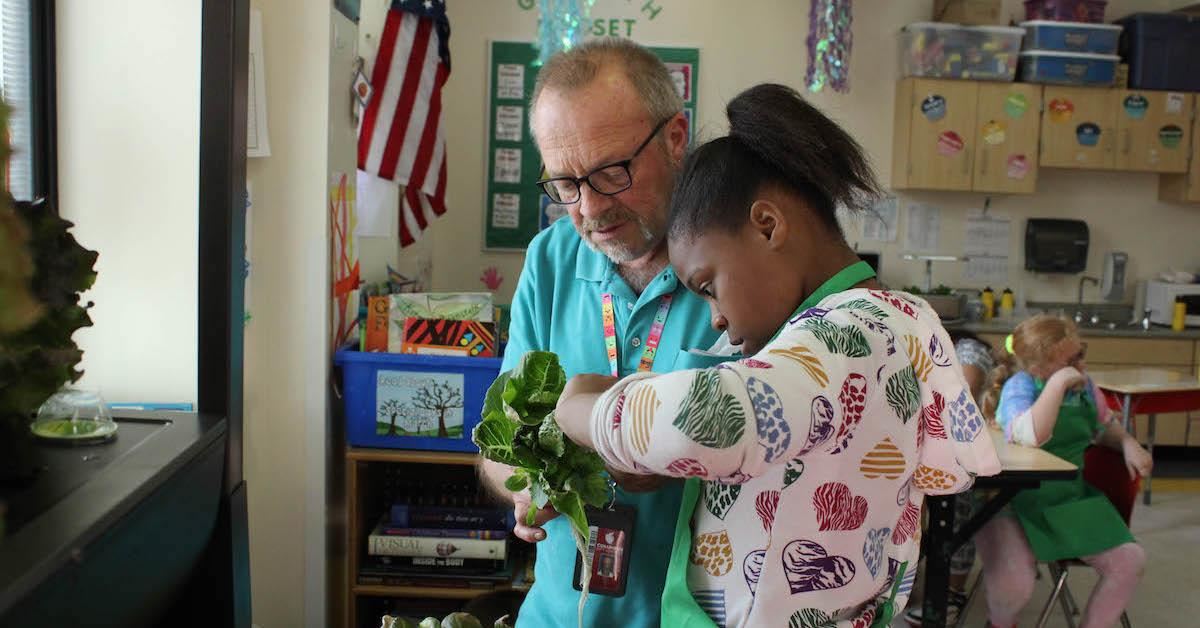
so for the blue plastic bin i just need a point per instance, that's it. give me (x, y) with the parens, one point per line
(1162, 50)
(1068, 68)
(400, 401)
(1100, 39)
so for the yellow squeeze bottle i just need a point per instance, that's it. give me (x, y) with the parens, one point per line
(989, 303)
(1179, 315)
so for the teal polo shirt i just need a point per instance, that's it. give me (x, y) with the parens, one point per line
(557, 307)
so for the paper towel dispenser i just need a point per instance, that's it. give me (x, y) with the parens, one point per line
(1056, 245)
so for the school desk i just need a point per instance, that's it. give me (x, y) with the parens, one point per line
(1020, 468)
(1148, 391)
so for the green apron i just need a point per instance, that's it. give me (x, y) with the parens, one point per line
(679, 608)
(1070, 518)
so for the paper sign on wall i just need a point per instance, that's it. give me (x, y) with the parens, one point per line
(508, 165)
(924, 225)
(506, 210)
(987, 246)
(881, 221)
(509, 122)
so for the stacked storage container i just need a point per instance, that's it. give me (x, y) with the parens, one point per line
(1079, 52)
(939, 50)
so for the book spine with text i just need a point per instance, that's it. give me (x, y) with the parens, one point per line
(406, 516)
(449, 533)
(437, 547)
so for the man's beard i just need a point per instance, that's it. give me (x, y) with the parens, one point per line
(617, 251)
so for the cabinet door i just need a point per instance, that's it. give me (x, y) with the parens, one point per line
(1078, 124)
(1006, 137)
(1153, 130)
(942, 122)
(1184, 188)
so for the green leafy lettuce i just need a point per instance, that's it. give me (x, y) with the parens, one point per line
(518, 429)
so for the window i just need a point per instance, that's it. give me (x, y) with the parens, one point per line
(27, 85)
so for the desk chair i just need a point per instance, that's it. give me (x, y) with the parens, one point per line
(1104, 469)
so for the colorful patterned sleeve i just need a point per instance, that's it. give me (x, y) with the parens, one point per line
(1015, 412)
(954, 442)
(734, 421)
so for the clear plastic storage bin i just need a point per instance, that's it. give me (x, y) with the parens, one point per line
(936, 50)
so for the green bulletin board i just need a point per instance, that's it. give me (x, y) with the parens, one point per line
(514, 209)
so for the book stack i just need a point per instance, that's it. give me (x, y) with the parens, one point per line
(435, 323)
(456, 544)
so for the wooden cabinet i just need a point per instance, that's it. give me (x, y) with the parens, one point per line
(1185, 188)
(1006, 144)
(1154, 131)
(934, 146)
(1078, 128)
(966, 136)
(1116, 129)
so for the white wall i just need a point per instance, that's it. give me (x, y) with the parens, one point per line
(764, 40)
(286, 345)
(128, 158)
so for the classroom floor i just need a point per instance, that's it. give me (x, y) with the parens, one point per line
(1169, 595)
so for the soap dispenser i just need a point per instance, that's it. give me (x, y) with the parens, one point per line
(1112, 281)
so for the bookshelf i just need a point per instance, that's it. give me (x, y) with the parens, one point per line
(364, 467)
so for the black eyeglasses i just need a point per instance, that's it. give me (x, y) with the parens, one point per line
(611, 179)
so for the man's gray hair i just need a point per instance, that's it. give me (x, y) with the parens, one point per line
(576, 68)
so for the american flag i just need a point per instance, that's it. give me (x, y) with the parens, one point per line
(401, 136)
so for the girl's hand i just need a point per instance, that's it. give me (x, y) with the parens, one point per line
(1069, 377)
(1137, 459)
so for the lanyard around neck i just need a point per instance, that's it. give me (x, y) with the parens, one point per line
(608, 315)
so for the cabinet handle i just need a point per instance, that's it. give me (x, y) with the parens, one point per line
(1127, 141)
(983, 164)
(968, 160)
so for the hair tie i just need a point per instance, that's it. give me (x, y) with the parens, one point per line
(1008, 343)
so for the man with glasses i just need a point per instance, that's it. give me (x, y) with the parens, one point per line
(611, 131)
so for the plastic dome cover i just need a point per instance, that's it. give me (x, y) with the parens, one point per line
(74, 415)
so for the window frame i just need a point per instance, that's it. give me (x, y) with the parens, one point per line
(43, 106)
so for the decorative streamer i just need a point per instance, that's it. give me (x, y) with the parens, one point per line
(561, 25)
(829, 42)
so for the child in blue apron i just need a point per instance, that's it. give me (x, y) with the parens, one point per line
(1050, 402)
(807, 461)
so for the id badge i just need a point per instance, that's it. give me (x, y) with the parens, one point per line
(610, 545)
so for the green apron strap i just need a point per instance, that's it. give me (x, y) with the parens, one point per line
(679, 607)
(843, 280)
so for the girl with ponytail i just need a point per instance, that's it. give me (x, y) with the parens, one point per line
(808, 459)
(1042, 397)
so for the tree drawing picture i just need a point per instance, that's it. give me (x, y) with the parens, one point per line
(419, 404)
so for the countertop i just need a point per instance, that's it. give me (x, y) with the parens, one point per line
(85, 489)
(1126, 331)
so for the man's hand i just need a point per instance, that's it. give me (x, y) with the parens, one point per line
(533, 533)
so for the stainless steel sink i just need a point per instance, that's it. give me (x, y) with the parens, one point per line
(1090, 315)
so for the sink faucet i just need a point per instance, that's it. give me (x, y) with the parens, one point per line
(1082, 280)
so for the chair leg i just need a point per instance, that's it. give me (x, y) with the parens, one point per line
(1070, 600)
(1125, 620)
(1060, 578)
(971, 593)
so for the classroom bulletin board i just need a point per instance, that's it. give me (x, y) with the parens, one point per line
(515, 210)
